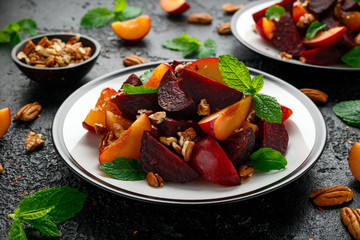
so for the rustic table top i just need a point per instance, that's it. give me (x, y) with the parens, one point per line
(287, 213)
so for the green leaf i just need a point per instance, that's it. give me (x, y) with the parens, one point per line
(188, 45)
(32, 215)
(119, 6)
(257, 83)
(266, 159)
(28, 26)
(97, 17)
(15, 38)
(44, 225)
(208, 49)
(349, 112)
(4, 36)
(234, 73)
(131, 89)
(125, 169)
(313, 29)
(274, 12)
(267, 108)
(352, 58)
(144, 78)
(16, 231)
(128, 13)
(251, 91)
(67, 202)
(12, 27)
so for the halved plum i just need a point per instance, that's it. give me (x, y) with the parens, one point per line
(325, 39)
(322, 56)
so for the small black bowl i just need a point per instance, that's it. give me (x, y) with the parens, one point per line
(58, 75)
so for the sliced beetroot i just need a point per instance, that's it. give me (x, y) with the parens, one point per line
(130, 104)
(172, 98)
(350, 5)
(273, 135)
(320, 6)
(157, 158)
(322, 56)
(239, 146)
(287, 4)
(133, 79)
(200, 87)
(286, 36)
(170, 126)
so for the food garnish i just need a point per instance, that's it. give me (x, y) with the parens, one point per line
(349, 112)
(11, 31)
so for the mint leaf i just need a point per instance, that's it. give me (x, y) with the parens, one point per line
(17, 232)
(234, 73)
(44, 225)
(144, 78)
(266, 159)
(208, 49)
(349, 112)
(352, 58)
(15, 38)
(119, 6)
(131, 89)
(128, 13)
(67, 202)
(28, 26)
(97, 17)
(186, 44)
(32, 215)
(12, 27)
(4, 36)
(267, 108)
(274, 12)
(125, 169)
(257, 83)
(313, 29)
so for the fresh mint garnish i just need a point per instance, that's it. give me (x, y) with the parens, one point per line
(11, 32)
(191, 47)
(349, 112)
(44, 209)
(131, 89)
(126, 169)
(266, 159)
(275, 12)
(352, 58)
(144, 78)
(99, 17)
(313, 29)
(237, 76)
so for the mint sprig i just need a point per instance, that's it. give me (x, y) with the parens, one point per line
(144, 78)
(101, 16)
(349, 112)
(237, 76)
(11, 32)
(266, 159)
(131, 89)
(313, 29)
(44, 209)
(191, 47)
(274, 12)
(352, 58)
(126, 169)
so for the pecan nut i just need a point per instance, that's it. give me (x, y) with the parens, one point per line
(224, 29)
(106, 139)
(203, 108)
(28, 112)
(187, 150)
(33, 141)
(331, 196)
(351, 219)
(188, 135)
(315, 95)
(154, 180)
(133, 60)
(229, 8)
(245, 172)
(200, 18)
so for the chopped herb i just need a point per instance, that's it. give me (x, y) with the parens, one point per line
(126, 169)
(266, 159)
(313, 29)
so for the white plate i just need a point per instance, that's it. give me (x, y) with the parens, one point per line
(78, 147)
(241, 27)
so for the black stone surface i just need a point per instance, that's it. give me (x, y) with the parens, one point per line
(286, 213)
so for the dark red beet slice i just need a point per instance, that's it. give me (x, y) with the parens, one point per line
(320, 6)
(350, 5)
(133, 79)
(239, 146)
(322, 56)
(172, 98)
(156, 158)
(273, 135)
(287, 4)
(199, 87)
(170, 126)
(286, 36)
(130, 104)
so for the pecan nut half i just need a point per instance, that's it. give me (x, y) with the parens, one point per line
(245, 172)
(224, 29)
(200, 18)
(133, 60)
(351, 219)
(154, 180)
(331, 196)
(229, 8)
(33, 140)
(28, 112)
(315, 95)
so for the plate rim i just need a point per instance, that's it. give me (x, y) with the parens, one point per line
(59, 143)
(248, 7)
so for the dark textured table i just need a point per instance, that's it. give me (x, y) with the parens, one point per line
(286, 213)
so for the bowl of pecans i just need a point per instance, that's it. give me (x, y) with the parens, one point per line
(57, 58)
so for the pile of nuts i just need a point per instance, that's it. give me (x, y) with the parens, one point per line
(54, 52)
